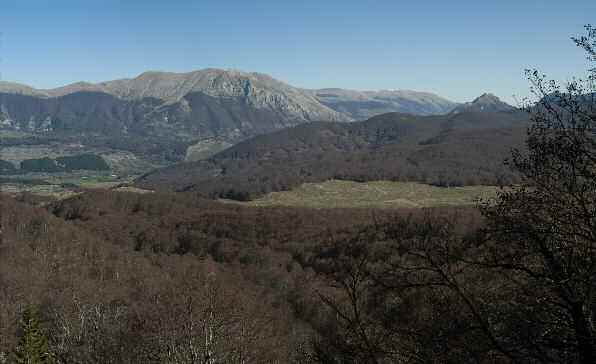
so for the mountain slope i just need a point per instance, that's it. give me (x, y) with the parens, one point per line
(257, 90)
(486, 102)
(455, 149)
(361, 105)
(19, 89)
(210, 103)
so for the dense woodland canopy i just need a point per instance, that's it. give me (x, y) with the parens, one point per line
(119, 277)
(110, 271)
(90, 162)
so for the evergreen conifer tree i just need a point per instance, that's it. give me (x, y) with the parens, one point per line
(33, 345)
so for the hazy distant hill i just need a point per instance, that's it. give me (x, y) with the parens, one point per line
(454, 149)
(361, 105)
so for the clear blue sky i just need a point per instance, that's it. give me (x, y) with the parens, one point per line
(455, 48)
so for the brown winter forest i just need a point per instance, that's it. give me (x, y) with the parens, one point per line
(108, 276)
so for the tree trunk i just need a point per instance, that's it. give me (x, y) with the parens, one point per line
(586, 338)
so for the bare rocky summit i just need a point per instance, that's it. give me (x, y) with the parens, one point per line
(255, 89)
(486, 102)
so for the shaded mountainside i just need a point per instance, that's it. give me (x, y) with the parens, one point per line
(91, 112)
(457, 149)
(196, 115)
(361, 105)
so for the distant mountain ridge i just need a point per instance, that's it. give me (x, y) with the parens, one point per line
(211, 103)
(361, 105)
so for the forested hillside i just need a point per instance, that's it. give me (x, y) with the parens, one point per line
(458, 149)
(145, 268)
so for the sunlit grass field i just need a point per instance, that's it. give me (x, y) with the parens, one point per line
(379, 194)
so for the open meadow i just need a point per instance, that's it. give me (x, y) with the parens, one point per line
(377, 194)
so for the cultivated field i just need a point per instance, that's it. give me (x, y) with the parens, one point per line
(59, 185)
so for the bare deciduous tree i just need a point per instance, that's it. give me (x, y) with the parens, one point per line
(543, 231)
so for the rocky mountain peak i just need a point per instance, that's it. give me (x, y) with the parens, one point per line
(487, 102)
(487, 98)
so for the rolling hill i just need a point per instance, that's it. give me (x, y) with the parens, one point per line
(465, 148)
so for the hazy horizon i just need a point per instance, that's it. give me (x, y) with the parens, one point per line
(457, 51)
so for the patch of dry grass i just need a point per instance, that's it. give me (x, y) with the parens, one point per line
(378, 194)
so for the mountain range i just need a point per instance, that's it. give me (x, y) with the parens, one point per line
(252, 133)
(211, 103)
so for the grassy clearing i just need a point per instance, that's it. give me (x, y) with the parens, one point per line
(380, 194)
(205, 149)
